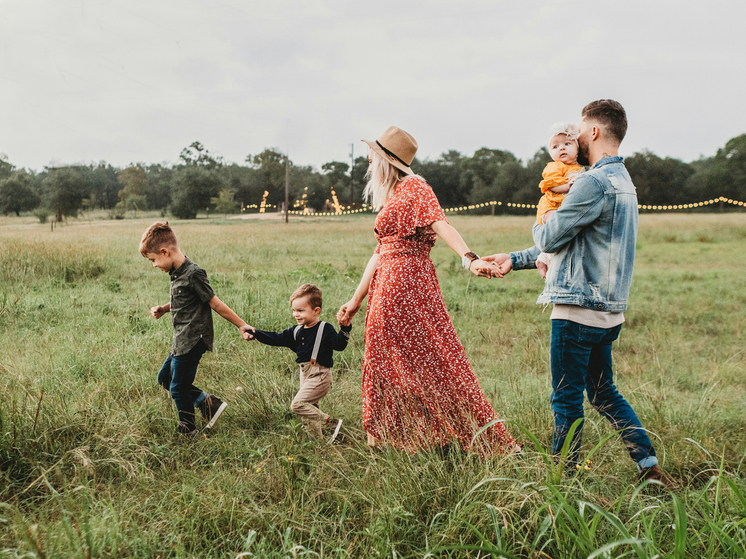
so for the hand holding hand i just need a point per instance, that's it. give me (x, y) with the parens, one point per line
(347, 311)
(485, 269)
(158, 311)
(502, 261)
(247, 332)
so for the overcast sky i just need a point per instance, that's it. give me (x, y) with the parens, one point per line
(138, 80)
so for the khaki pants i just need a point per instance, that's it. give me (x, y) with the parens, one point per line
(315, 383)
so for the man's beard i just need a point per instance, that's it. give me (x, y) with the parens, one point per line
(582, 157)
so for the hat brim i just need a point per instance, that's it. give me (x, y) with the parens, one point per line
(396, 163)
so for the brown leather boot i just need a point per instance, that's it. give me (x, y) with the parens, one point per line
(656, 474)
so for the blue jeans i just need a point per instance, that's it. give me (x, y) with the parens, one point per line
(581, 360)
(177, 376)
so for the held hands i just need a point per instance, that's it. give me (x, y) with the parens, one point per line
(501, 261)
(247, 332)
(481, 267)
(158, 311)
(347, 311)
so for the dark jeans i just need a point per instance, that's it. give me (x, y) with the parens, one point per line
(177, 376)
(581, 360)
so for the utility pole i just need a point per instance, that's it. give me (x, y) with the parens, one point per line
(352, 183)
(287, 185)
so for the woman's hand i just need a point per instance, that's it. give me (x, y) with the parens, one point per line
(502, 261)
(347, 311)
(484, 269)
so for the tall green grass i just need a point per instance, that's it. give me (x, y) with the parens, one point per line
(90, 465)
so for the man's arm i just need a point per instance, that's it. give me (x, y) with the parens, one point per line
(582, 206)
(520, 260)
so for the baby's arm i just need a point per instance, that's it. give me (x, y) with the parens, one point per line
(562, 189)
(286, 338)
(338, 340)
(160, 310)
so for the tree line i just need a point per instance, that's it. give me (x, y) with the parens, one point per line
(203, 182)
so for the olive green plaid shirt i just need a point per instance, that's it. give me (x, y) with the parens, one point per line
(191, 313)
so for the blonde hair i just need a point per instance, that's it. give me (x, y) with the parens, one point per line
(382, 180)
(308, 290)
(569, 129)
(157, 236)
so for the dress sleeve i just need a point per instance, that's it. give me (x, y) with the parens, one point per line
(419, 208)
(554, 175)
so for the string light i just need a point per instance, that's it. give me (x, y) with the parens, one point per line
(366, 208)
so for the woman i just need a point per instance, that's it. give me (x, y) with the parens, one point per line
(419, 390)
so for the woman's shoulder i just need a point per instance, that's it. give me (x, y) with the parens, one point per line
(414, 184)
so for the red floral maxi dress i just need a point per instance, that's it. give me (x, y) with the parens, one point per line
(419, 390)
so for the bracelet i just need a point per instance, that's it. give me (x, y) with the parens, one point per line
(467, 259)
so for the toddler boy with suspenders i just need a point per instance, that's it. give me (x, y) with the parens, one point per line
(314, 342)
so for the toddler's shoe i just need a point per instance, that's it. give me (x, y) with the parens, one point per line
(211, 408)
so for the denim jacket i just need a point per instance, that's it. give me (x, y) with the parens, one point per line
(593, 236)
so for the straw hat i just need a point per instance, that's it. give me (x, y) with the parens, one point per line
(397, 147)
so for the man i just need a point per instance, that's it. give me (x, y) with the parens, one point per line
(593, 234)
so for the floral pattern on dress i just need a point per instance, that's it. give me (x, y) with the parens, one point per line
(419, 390)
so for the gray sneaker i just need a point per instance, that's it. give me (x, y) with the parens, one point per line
(211, 408)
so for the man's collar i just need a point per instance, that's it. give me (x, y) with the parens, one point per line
(607, 161)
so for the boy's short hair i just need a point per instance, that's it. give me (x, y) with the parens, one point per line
(308, 290)
(610, 114)
(157, 236)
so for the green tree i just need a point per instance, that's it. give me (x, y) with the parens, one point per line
(444, 176)
(727, 174)
(158, 192)
(359, 172)
(5, 168)
(193, 186)
(526, 190)
(197, 154)
(336, 177)
(491, 174)
(658, 181)
(697, 187)
(224, 202)
(134, 189)
(103, 183)
(65, 188)
(17, 193)
(270, 166)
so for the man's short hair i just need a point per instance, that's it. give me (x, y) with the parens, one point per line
(157, 236)
(308, 290)
(610, 114)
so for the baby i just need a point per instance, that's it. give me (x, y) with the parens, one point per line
(558, 177)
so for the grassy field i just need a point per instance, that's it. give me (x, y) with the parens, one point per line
(91, 465)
